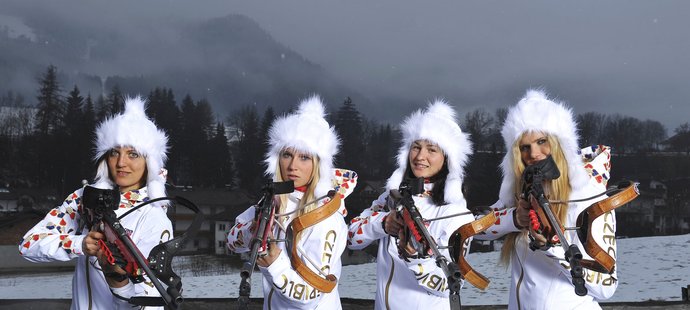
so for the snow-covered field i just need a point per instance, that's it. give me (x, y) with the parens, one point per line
(649, 268)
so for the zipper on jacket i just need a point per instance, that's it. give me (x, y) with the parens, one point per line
(522, 274)
(270, 296)
(390, 277)
(88, 280)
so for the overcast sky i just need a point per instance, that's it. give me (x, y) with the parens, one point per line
(628, 57)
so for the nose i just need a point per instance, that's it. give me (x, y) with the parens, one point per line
(291, 164)
(421, 154)
(121, 160)
(536, 153)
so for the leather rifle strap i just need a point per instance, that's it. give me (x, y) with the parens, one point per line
(603, 262)
(302, 222)
(467, 231)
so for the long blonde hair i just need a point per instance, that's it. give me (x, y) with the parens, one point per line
(308, 194)
(558, 189)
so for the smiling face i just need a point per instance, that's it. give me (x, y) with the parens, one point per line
(425, 159)
(534, 146)
(127, 168)
(296, 166)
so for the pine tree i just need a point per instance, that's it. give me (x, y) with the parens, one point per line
(187, 154)
(50, 105)
(221, 172)
(89, 130)
(89, 117)
(48, 126)
(163, 109)
(348, 124)
(250, 167)
(266, 122)
(116, 100)
(102, 109)
(381, 146)
(75, 141)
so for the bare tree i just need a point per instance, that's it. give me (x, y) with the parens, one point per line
(478, 124)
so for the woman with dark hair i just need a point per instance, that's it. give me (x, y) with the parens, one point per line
(535, 129)
(435, 149)
(301, 149)
(130, 154)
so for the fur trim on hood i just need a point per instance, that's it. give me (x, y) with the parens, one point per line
(437, 125)
(306, 131)
(132, 128)
(536, 113)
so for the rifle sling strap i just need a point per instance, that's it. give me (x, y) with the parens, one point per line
(603, 262)
(302, 222)
(463, 233)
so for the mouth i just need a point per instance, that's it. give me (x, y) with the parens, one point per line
(293, 177)
(419, 166)
(122, 173)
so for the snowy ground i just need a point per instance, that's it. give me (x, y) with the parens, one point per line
(649, 268)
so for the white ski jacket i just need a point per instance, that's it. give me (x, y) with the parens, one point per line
(541, 279)
(322, 244)
(417, 283)
(56, 238)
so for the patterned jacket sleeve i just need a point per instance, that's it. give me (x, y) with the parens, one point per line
(504, 224)
(55, 237)
(368, 226)
(597, 159)
(240, 235)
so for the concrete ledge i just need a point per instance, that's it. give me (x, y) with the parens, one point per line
(348, 303)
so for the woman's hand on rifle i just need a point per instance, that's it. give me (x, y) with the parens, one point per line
(90, 244)
(393, 223)
(273, 252)
(408, 248)
(114, 274)
(523, 220)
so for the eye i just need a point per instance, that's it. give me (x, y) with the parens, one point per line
(524, 148)
(113, 153)
(541, 141)
(286, 154)
(305, 157)
(133, 155)
(416, 147)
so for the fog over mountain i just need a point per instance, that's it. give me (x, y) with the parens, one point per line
(627, 57)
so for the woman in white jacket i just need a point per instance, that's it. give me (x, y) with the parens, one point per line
(130, 153)
(434, 148)
(302, 147)
(534, 129)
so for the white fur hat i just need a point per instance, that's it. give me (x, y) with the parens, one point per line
(306, 131)
(437, 125)
(132, 128)
(536, 113)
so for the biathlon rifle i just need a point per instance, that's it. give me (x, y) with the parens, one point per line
(419, 237)
(98, 213)
(265, 211)
(544, 222)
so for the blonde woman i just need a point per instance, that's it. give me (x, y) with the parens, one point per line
(302, 147)
(435, 149)
(535, 129)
